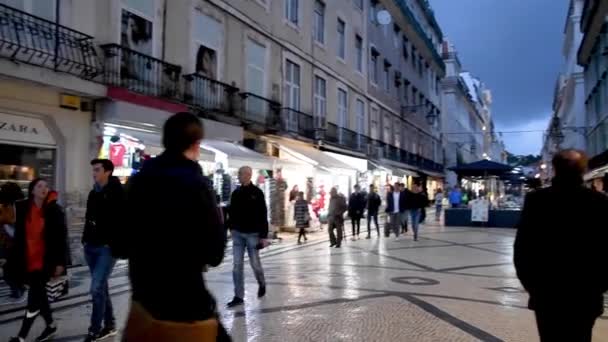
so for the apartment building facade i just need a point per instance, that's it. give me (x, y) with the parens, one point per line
(288, 79)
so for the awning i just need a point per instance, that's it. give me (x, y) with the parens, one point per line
(310, 155)
(596, 173)
(403, 172)
(238, 155)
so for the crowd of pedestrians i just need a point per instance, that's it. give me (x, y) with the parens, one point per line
(169, 253)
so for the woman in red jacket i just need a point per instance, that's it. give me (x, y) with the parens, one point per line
(40, 253)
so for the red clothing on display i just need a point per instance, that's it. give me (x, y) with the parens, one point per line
(34, 231)
(117, 154)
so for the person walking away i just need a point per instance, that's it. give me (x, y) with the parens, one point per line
(356, 207)
(335, 217)
(10, 193)
(565, 288)
(404, 216)
(417, 201)
(455, 197)
(173, 233)
(395, 208)
(438, 204)
(301, 216)
(373, 206)
(102, 221)
(40, 253)
(248, 222)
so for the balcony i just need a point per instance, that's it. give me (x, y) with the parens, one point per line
(140, 73)
(300, 123)
(261, 111)
(32, 40)
(209, 95)
(346, 138)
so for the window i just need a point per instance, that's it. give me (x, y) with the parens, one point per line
(414, 58)
(292, 85)
(136, 32)
(342, 112)
(386, 79)
(414, 95)
(373, 67)
(420, 65)
(437, 81)
(397, 128)
(319, 22)
(406, 92)
(256, 68)
(320, 109)
(207, 35)
(359, 4)
(360, 108)
(374, 123)
(341, 39)
(359, 53)
(405, 47)
(291, 11)
(373, 8)
(396, 33)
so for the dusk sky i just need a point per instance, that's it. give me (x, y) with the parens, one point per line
(514, 47)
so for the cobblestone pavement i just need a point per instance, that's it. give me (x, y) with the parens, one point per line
(454, 284)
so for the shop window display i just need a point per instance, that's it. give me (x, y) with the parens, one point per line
(21, 164)
(127, 153)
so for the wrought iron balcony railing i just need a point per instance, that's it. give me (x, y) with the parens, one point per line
(346, 138)
(259, 110)
(209, 95)
(140, 73)
(295, 121)
(29, 39)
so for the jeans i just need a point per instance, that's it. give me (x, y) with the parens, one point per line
(101, 262)
(240, 242)
(356, 222)
(335, 223)
(371, 217)
(394, 222)
(37, 303)
(415, 217)
(438, 210)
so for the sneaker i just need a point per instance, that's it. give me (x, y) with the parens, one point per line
(107, 332)
(337, 246)
(261, 291)
(331, 245)
(16, 339)
(236, 301)
(47, 334)
(91, 337)
(368, 237)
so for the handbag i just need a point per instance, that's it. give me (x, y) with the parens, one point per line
(57, 288)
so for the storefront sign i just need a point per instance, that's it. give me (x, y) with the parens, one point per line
(480, 210)
(24, 129)
(69, 101)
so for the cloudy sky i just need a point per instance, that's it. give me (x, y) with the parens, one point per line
(514, 47)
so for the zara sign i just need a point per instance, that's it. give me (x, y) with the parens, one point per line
(24, 129)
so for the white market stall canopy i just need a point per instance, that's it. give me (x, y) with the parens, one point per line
(238, 155)
(312, 156)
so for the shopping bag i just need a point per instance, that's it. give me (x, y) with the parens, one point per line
(57, 288)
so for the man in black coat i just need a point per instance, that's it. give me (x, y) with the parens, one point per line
(356, 207)
(396, 205)
(373, 206)
(175, 230)
(105, 205)
(248, 221)
(560, 252)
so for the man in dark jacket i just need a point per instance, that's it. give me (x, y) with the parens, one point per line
(102, 220)
(373, 206)
(356, 207)
(395, 210)
(248, 221)
(559, 252)
(174, 231)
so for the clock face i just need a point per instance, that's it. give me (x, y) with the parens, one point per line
(383, 17)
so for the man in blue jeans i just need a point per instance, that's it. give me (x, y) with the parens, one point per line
(248, 221)
(103, 217)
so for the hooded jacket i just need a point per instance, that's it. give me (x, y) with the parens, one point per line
(104, 216)
(56, 251)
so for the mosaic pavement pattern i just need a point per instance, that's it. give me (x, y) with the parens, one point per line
(454, 284)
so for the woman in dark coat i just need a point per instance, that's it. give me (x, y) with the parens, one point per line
(301, 216)
(40, 252)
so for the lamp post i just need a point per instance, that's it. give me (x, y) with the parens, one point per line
(430, 117)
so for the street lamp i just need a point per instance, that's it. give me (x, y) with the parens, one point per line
(430, 116)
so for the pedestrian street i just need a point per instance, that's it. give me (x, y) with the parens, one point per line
(454, 284)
